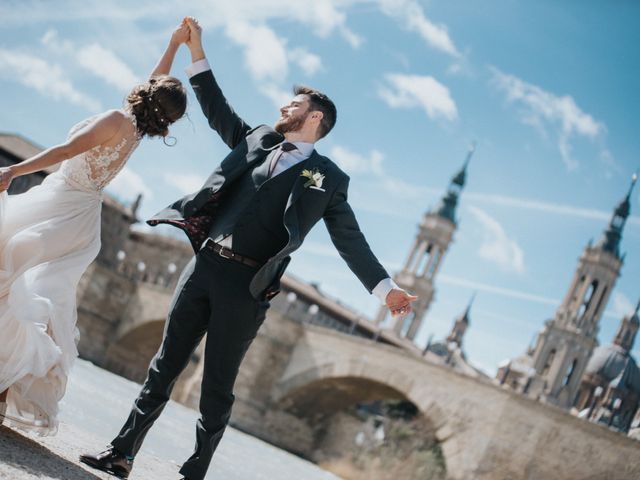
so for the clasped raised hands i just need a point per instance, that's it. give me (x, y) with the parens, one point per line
(188, 32)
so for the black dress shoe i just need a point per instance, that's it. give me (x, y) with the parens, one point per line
(110, 461)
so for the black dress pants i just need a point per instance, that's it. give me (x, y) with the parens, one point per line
(212, 297)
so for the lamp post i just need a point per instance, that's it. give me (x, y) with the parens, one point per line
(120, 256)
(312, 312)
(291, 299)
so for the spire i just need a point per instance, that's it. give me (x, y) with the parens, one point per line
(465, 317)
(634, 317)
(461, 176)
(447, 207)
(136, 205)
(611, 237)
(460, 325)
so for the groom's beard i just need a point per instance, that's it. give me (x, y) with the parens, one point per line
(290, 124)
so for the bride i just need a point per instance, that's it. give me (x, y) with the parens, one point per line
(50, 234)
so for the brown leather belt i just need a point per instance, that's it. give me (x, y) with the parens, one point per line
(229, 254)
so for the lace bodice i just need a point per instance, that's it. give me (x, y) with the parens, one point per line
(95, 168)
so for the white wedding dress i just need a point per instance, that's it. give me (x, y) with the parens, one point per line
(48, 237)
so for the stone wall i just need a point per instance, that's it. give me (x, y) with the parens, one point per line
(486, 432)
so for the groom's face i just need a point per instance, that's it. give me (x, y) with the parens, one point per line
(293, 115)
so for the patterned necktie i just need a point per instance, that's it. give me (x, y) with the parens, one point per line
(284, 147)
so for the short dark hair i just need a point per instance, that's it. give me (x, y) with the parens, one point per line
(319, 102)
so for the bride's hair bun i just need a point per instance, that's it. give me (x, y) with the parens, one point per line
(156, 104)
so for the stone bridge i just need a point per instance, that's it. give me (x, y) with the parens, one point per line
(297, 375)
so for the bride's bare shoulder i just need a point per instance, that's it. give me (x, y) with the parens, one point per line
(113, 121)
(114, 117)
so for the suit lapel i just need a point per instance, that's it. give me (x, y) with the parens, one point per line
(314, 162)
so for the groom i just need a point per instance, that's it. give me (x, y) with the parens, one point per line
(254, 211)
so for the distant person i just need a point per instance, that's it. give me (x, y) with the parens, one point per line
(50, 234)
(255, 209)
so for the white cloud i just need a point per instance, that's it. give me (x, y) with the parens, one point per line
(323, 17)
(496, 245)
(51, 40)
(544, 111)
(96, 59)
(279, 96)
(250, 24)
(185, 182)
(128, 184)
(106, 65)
(353, 162)
(540, 206)
(409, 91)
(310, 63)
(265, 53)
(352, 38)
(376, 190)
(621, 307)
(411, 14)
(506, 292)
(47, 79)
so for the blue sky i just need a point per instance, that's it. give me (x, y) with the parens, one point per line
(547, 90)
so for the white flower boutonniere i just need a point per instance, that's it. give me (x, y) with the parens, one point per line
(315, 179)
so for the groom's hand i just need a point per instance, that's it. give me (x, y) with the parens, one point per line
(399, 302)
(195, 39)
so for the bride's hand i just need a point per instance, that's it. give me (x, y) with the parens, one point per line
(181, 34)
(6, 176)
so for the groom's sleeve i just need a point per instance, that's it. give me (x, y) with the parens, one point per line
(350, 242)
(222, 118)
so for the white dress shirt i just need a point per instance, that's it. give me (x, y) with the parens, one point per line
(289, 159)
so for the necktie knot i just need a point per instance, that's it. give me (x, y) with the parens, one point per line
(282, 149)
(287, 146)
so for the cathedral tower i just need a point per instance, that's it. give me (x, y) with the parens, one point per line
(563, 348)
(434, 237)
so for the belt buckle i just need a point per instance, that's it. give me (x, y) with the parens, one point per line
(220, 252)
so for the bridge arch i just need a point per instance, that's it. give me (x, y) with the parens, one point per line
(387, 380)
(342, 404)
(131, 352)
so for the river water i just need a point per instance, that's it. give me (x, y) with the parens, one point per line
(98, 402)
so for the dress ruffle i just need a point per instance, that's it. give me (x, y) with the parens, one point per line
(48, 237)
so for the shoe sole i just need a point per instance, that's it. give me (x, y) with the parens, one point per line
(92, 464)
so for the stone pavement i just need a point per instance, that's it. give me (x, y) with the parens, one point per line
(92, 411)
(23, 457)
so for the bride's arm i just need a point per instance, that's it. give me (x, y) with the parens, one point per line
(180, 35)
(94, 134)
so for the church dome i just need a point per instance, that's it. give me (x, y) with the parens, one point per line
(616, 366)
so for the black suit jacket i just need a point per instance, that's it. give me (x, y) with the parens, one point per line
(305, 206)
